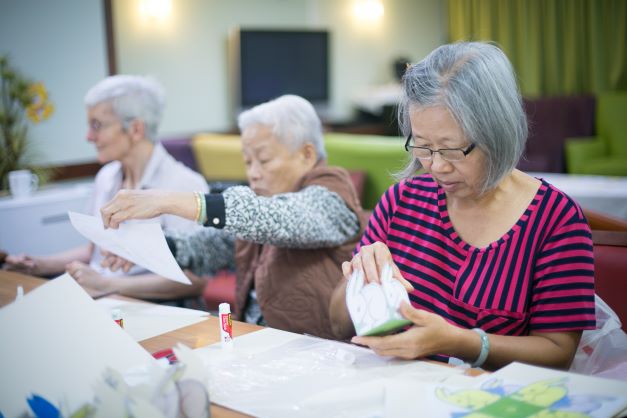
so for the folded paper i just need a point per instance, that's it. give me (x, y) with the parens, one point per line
(374, 307)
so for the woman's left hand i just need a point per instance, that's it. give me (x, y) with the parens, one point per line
(431, 334)
(87, 277)
(115, 262)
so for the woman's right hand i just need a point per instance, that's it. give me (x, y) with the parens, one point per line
(22, 263)
(146, 204)
(370, 259)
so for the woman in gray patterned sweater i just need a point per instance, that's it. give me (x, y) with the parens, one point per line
(286, 234)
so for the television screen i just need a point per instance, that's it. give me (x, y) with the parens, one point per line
(274, 62)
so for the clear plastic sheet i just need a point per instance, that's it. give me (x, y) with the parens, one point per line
(310, 377)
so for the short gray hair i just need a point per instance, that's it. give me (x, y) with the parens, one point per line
(476, 83)
(131, 97)
(293, 120)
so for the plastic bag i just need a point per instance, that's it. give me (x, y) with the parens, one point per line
(603, 352)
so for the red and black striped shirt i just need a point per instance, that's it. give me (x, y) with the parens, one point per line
(538, 276)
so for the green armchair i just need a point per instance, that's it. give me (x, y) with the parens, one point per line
(219, 158)
(378, 156)
(606, 153)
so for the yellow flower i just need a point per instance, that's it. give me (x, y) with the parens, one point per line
(21, 102)
(39, 108)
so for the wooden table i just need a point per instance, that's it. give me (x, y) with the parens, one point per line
(9, 282)
(194, 336)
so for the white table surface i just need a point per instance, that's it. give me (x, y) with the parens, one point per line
(604, 194)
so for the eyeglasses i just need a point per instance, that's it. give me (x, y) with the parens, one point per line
(96, 126)
(448, 154)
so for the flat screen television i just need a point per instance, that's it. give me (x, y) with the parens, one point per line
(270, 63)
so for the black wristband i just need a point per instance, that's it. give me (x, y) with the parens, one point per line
(216, 214)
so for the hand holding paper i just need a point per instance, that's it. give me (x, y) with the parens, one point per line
(147, 204)
(374, 307)
(142, 243)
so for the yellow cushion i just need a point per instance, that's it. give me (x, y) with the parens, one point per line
(219, 156)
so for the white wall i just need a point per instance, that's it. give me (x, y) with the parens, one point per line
(62, 43)
(187, 53)
(363, 52)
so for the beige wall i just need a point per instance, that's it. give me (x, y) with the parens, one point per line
(188, 51)
(62, 43)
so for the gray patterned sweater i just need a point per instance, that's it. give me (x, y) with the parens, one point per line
(313, 217)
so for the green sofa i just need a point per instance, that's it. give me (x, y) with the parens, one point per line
(219, 158)
(378, 156)
(605, 153)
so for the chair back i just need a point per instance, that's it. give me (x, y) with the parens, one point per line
(610, 270)
(601, 222)
(181, 150)
(219, 157)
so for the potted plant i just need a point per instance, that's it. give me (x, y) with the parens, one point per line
(22, 101)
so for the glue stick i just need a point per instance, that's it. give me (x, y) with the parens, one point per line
(116, 314)
(20, 293)
(226, 329)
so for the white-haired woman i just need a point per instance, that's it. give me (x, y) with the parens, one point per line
(286, 233)
(123, 115)
(498, 264)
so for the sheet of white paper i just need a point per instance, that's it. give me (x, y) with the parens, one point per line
(146, 320)
(142, 243)
(56, 342)
(281, 374)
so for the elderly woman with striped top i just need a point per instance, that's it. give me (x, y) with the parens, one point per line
(498, 264)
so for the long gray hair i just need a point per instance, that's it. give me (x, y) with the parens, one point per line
(476, 83)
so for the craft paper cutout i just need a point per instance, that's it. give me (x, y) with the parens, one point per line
(156, 390)
(374, 307)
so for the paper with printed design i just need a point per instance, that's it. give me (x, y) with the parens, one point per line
(374, 307)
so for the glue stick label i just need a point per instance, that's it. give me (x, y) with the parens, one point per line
(116, 314)
(226, 326)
